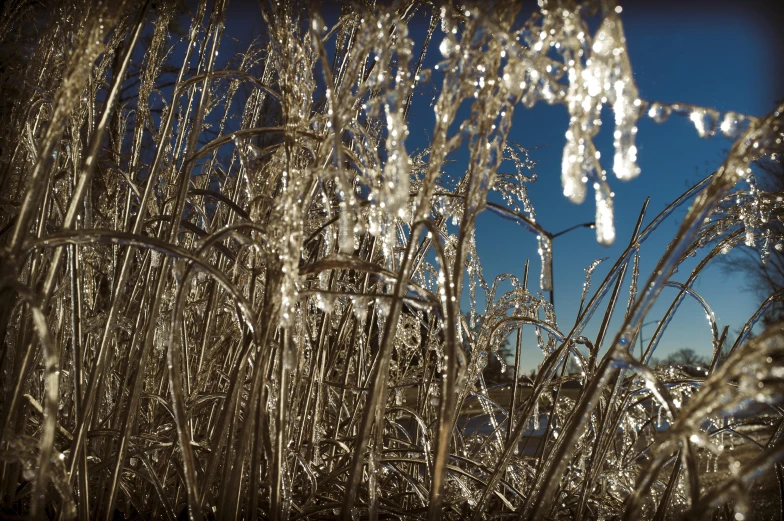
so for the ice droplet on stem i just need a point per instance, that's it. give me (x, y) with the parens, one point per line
(658, 112)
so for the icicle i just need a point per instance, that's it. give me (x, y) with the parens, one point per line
(625, 159)
(606, 78)
(605, 228)
(572, 171)
(627, 112)
(546, 254)
(610, 47)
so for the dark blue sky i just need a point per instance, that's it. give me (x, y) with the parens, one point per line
(719, 55)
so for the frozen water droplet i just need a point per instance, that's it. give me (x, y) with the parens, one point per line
(658, 112)
(731, 125)
(704, 121)
(448, 47)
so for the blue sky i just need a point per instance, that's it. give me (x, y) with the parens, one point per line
(719, 55)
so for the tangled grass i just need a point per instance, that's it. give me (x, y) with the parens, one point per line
(232, 291)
